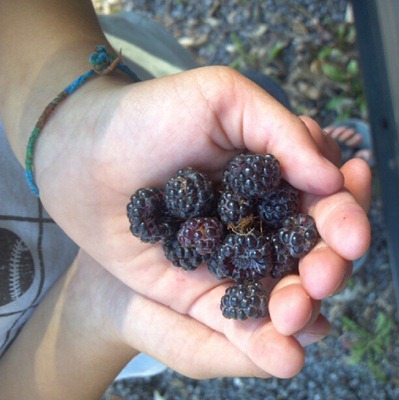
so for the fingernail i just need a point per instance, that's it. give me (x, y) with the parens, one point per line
(305, 339)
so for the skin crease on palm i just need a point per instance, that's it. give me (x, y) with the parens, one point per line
(127, 144)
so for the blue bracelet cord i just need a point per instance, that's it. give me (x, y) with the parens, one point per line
(103, 63)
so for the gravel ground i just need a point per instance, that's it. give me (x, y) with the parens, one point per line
(309, 47)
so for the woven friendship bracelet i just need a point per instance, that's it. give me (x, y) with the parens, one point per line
(103, 63)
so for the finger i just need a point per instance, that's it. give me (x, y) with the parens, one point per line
(277, 354)
(357, 173)
(341, 222)
(252, 119)
(183, 343)
(314, 332)
(358, 181)
(345, 231)
(323, 272)
(177, 340)
(290, 306)
(198, 294)
(327, 146)
(281, 356)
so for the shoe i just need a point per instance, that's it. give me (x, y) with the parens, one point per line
(141, 366)
(354, 139)
(353, 136)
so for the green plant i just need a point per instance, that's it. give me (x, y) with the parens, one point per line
(244, 60)
(276, 51)
(338, 62)
(370, 346)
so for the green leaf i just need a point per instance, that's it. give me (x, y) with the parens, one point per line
(238, 44)
(337, 54)
(341, 31)
(357, 356)
(335, 103)
(349, 323)
(351, 34)
(334, 73)
(324, 53)
(383, 324)
(276, 51)
(358, 330)
(353, 67)
(378, 348)
(235, 64)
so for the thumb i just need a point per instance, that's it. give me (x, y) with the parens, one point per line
(252, 119)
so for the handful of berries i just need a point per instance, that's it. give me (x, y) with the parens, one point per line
(247, 229)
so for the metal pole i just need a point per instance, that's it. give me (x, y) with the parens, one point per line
(377, 26)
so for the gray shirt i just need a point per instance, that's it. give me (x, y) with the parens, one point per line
(34, 251)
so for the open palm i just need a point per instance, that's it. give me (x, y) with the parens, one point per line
(110, 139)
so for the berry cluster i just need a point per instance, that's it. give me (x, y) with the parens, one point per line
(247, 228)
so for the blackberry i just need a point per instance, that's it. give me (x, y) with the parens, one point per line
(283, 262)
(148, 218)
(217, 268)
(203, 234)
(252, 175)
(232, 207)
(245, 300)
(279, 205)
(242, 257)
(189, 194)
(180, 256)
(299, 234)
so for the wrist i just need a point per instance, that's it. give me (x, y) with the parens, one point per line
(41, 58)
(24, 99)
(102, 63)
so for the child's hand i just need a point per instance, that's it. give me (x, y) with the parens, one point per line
(108, 140)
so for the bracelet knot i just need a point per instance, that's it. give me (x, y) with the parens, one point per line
(103, 63)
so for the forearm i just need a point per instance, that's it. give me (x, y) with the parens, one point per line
(63, 352)
(45, 45)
